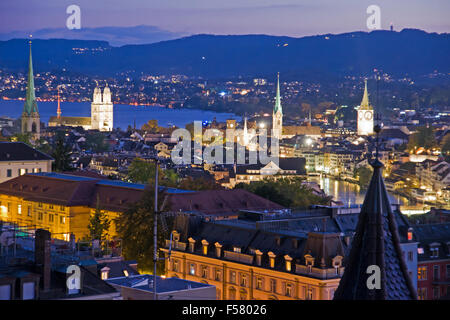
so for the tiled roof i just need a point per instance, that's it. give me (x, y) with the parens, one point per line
(19, 151)
(214, 202)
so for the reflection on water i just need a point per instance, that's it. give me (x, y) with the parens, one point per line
(351, 193)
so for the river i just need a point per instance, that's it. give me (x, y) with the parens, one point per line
(351, 193)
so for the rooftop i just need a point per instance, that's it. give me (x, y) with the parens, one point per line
(163, 285)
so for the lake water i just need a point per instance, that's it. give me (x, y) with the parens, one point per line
(124, 115)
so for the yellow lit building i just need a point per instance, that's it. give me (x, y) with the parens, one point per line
(63, 204)
(247, 263)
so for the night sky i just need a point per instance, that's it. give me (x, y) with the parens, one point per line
(275, 17)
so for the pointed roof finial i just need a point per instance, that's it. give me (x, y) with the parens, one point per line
(365, 105)
(30, 102)
(278, 97)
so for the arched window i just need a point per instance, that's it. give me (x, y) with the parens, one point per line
(243, 294)
(232, 293)
(34, 127)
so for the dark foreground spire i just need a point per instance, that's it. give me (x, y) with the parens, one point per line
(376, 243)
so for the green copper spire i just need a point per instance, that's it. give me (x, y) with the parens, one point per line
(278, 98)
(30, 103)
(365, 100)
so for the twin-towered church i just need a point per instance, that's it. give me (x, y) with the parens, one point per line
(101, 111)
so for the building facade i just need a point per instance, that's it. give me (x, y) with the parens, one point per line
(17, 158)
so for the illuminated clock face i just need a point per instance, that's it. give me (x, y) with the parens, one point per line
(368, 115)
(361, 115)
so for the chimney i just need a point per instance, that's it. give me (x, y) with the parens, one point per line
(42, 248)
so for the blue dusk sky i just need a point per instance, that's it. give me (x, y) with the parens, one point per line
(281, 17)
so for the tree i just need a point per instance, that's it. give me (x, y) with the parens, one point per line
(135, 228)
(445, 147)
(95, 141)
(364, 174)
(61, 154)
(141, 171)
(22, 137)
(288, 192)
(151, 126)
(424, 137)
(198, 184)
(98, 223)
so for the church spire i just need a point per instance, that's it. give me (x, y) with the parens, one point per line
(278, 97)
(365, 100)
(58, 111)
(375, 250)
(30, 102)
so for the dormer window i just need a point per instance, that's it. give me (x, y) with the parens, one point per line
(105, 273)
(271, 259)
(205, 247)
(191, 244)
(237, 249)
(288, 261)
(410, 234)
(258, 257)
(434, 249)
(309, 262)
(337, 263)
(218, 249)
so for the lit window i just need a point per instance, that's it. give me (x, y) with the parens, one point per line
(125, 272)
(204, 272)
(273, 285)
(289, 290)
(237, 249)
(192, 270)
(104, 275)
(422, 273)
(233, 277)
(19, 209)
(244, 280)
(259, 283)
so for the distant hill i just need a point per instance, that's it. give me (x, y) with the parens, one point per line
(116, 36)
(409, 51)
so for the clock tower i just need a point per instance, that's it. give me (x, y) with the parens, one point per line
(277, 115)
(365, 115)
